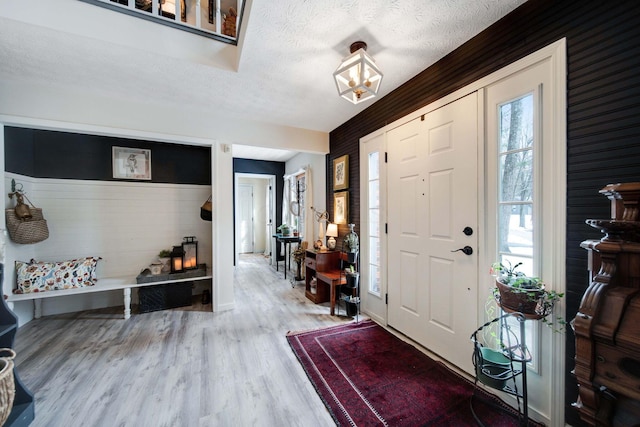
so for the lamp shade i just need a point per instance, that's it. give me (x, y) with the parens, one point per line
(332, 230)
(358, 77)
(332, 233)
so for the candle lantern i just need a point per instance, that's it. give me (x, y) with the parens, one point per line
(177, 255)
(190, 247)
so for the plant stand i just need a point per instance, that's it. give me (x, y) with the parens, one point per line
(499, 369)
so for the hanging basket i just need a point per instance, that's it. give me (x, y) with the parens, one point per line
(25, 223)
(7, 384)
(205, 210)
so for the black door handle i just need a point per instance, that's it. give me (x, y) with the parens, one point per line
(467, 250)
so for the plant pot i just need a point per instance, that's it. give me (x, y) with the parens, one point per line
(352, 308)
(352, 257)
(493, 369)
(353, 279)
(520, 302)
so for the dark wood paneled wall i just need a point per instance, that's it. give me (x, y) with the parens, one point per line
(603, 100)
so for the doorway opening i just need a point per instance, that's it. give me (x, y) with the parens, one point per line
(254, 209)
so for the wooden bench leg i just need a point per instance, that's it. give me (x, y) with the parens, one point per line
(37, 308)
(127, 303)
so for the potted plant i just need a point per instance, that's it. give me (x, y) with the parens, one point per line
(298, 256)
(352, 276)
(351, 245)
(165, 258)
(517, 292)
(284, 229)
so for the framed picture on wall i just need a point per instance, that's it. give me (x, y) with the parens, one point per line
(341, 173)
(131, 163)
(341, 207)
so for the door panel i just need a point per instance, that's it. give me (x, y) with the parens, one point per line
(245, 218)
(433, 187)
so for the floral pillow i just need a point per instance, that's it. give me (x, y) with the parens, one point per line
(50, 276)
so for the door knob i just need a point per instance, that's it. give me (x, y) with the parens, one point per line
(467, 250)
(468, 231)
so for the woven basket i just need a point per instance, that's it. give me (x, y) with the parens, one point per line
(7, 384)
(205, 210)
(32, 230)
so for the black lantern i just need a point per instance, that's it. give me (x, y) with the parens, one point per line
(190, 248)
(177, 263)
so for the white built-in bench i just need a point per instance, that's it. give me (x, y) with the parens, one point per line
(124, 283)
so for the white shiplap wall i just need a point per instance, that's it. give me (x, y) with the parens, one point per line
(125, 223)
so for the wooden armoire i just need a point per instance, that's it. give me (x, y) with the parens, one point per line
(607, 325)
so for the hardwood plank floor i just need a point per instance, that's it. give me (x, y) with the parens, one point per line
(180, 367)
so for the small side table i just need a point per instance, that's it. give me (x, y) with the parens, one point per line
(286, 241)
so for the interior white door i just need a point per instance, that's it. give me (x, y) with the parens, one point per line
(432, 199)
(245, 218)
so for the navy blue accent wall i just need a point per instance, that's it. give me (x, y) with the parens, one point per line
(65, 155)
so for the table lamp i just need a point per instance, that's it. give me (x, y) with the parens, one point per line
(332, 233)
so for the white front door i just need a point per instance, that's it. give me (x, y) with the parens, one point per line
(432, 212)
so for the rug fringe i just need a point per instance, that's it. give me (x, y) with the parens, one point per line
(321, 328)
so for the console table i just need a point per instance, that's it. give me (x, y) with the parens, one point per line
(286, 241)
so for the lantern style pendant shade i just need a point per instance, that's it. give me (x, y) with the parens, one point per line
(358, 78)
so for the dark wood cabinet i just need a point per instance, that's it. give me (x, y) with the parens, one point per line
(315, 262)
(607, 325)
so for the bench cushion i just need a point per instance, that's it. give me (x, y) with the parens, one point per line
(47, 276)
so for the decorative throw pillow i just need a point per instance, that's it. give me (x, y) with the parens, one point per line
(50, 276)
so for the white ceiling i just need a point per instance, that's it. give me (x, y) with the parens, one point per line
(289, 50)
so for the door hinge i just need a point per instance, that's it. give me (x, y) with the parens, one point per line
(386, 299)
(386, 228)
(385, 157)
(422, 118)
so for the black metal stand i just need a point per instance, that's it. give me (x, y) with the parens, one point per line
(499, 369)
(349, 298)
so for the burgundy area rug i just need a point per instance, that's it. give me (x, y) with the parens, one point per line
(368, 377)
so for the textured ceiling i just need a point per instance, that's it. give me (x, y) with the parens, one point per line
(290, 49)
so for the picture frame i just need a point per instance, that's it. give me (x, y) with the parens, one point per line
(341, 173)
(341, 207)
(131, 163)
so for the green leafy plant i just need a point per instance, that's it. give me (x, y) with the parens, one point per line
(165, 253)
(283, 229)
(351, 243)
(532, 289)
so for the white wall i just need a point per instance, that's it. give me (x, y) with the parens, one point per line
(124, 223)
(318, 178)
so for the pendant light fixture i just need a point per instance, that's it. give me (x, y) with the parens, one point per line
(358, 77)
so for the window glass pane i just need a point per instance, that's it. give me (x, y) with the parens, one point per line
(516, 229)
(374, 194)
(374, 222)
(516, 176)
(374, 171)
(374, 279)
(374, 253)
(516, 124)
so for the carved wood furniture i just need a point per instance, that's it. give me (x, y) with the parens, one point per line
(607, 325)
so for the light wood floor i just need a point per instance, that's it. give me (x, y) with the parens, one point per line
(181, 367)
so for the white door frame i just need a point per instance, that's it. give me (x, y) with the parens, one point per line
(272, 181)
(556, 54)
